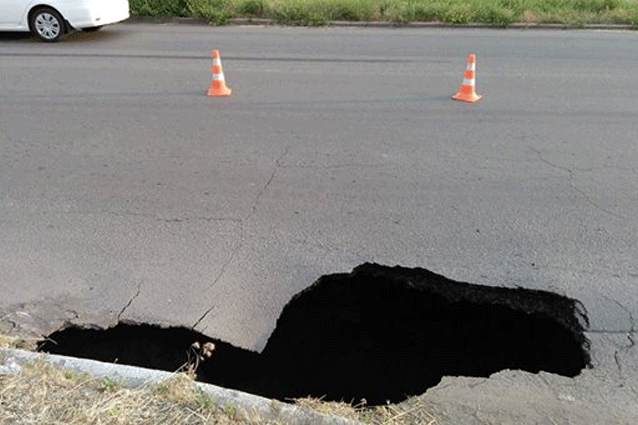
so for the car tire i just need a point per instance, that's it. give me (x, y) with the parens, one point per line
(47, 24)
(91, 29)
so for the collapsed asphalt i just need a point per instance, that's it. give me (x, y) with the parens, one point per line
(377, 334)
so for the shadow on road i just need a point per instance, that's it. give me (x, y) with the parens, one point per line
(103, 35)
(14, 36)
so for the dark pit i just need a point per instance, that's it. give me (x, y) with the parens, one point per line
(377, 333)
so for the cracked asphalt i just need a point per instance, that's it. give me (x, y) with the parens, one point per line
(127, 194)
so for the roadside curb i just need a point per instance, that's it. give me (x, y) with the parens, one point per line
(384, 24)
(12, 361)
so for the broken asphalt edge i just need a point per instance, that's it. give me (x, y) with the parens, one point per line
(384, 24)
(12, 361)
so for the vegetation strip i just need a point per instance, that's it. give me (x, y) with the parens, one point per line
(41, 393)
(501, 13)
(38, 389)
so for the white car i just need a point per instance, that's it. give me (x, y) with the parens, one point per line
(51, 19)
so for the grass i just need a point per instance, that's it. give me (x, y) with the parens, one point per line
(44, 394)
(320, 12)
(416, 414)
(7, 341)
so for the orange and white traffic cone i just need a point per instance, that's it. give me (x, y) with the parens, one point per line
(218, 85)
(466, 92)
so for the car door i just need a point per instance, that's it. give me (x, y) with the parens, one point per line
(11, 12)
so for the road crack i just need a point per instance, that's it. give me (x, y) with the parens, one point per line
(151, 216)
(242, 230)
(278, 165)
(570, 180)
(333, 167)
(219, 276)
(630, 337)
(128, 304)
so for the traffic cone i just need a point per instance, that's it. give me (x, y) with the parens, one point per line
(218, 85)
(466, 92)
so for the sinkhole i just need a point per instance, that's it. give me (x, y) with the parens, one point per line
(378, 334)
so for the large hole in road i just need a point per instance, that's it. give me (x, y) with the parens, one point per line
(377, 333)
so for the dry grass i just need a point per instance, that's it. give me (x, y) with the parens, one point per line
(530, 17)
(417, 414)
(7, 341)
(42, 394)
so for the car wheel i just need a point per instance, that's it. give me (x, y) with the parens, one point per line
(91, 29)
(47, 24)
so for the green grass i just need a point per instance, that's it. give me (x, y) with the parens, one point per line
(320, 12)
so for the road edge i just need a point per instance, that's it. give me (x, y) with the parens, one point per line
(12, 361)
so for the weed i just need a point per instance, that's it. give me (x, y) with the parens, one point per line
(204, 401)
(230, 410)
(458, 14)
(320, 12)
(251, 8)
(161, 389)
(107, 384)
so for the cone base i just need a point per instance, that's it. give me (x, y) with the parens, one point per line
(224, 91)
(468, 98)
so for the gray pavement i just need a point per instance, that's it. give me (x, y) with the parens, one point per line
(126, 193)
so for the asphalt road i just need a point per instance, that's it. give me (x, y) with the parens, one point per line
(127, 193)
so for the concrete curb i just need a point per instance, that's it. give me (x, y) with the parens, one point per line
(383, 24)
(11, 362)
